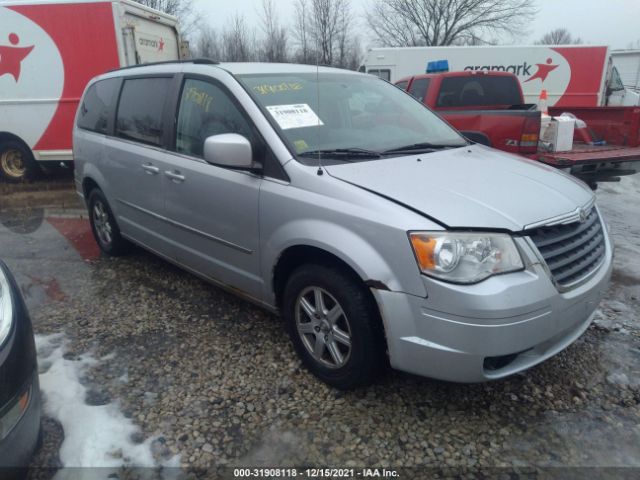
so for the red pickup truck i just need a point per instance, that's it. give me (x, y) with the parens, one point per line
(488, 108)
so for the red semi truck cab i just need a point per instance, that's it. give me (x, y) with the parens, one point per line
(489, 108)
(48, 53)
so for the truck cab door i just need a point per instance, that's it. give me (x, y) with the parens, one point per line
(185, 50)
(617, 94)
(129, 40)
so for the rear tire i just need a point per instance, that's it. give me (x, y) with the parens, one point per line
(103, 224)
(17, 163)
(334, 326)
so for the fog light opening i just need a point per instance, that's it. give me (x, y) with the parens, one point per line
(492, 364)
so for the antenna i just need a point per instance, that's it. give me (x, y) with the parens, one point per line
(320, 170)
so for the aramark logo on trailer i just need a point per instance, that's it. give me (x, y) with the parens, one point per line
(22, 54)
(156, 44)
(544, 68)
(11, 57)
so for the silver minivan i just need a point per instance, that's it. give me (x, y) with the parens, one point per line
(378, 232)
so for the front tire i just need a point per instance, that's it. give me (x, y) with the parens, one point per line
(16, 162)
(334, 326)
(104, 226)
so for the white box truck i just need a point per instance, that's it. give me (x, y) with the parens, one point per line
(627, 63)
(49, 50)
(573, 75)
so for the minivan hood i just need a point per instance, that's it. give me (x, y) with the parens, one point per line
(471, 187)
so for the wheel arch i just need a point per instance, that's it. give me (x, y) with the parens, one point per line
(8, 136)
(11, 137)
(477, 137)
(88, 176)
(297, 255)
(31, 168)
(89, 184)
(300, 254)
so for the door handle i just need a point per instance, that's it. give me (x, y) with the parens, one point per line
(150, 169)
(176, 177)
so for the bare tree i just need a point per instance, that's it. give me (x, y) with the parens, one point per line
(401, 23)
(634, 45)
(559, 36)
(323, 32)
(353, 55)
(238, 45)
(274, 43)
(183, 9)
(300, 32)
(172, 7)
(330, 21)
(208, 44)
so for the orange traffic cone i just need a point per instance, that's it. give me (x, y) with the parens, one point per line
(542, 102)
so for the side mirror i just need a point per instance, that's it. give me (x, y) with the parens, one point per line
(228, 150)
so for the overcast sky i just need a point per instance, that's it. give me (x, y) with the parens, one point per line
(612, 22)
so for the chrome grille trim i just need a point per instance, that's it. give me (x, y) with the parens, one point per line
(565, 218)
(572, 252)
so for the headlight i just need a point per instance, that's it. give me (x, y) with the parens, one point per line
(465, 257)
(6, 308)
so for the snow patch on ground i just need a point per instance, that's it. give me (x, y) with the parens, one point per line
(94, 436)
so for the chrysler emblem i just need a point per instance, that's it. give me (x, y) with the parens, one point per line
(582, 213)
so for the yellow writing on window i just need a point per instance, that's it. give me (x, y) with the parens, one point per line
(200, 98)
(280, 87)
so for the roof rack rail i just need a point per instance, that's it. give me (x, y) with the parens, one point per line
(195, 61)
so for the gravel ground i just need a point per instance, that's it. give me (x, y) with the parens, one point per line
(215, 380)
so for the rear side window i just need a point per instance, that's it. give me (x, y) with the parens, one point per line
(140, 110)
(383, 74)
(419, 88)
(96, 106)
(479, 90)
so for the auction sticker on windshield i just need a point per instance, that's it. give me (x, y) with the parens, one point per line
(294, 116)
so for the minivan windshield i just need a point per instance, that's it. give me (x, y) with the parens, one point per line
(348, 117)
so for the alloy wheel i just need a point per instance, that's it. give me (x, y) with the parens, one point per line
(102, 224)
(323, 327)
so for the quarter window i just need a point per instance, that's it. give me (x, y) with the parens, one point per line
(616, 82)
(383, 74)
(140, 110)
(206, 110)
(96, 106)
(419, 88)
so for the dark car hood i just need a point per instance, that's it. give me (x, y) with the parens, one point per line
(471, 187)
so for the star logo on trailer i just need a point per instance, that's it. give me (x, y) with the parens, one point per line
(161, 45)
(544, 69)
(11, 57)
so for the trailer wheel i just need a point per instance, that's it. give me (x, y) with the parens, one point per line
(16, 162)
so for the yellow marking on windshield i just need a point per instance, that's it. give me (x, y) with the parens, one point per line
(300, 145)
(276, 88)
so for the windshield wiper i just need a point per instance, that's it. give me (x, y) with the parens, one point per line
(422, 146)
(341, 153)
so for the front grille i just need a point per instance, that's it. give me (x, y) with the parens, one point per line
(572, 251)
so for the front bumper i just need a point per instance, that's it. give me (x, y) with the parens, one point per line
(475, 333)
(17, 448)
(20, 424)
